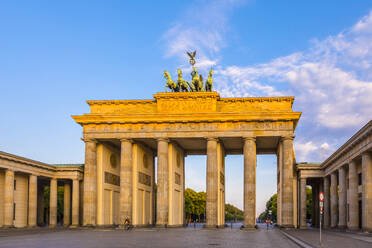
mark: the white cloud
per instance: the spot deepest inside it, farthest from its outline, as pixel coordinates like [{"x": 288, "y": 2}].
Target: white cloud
[
  {"x": 202, "y": 28},
  {"x": 332, "y": 80},
  {"x": 304, "y": 149}
]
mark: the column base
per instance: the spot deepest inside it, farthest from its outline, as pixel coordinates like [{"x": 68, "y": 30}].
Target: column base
[
  {"x": 161, "y": 225},
  {"x": 248, "y": 227},
  {"x": 52, "y": 226},
  {"x": 8, "y": 226},
  {"x": 303, "y": 227},
  {"x": 214, "y": 226},
  {"x": 353, "y": 228},
  {"x": 286, "y": 226},
  {"x": 73, "y": 226},
  {"x": 89, "y": 226},
  {"x": 342, "y": 227}
]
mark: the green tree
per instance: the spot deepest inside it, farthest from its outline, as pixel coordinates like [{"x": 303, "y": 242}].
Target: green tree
[
  {"x": 233, "y": 213},
  {"x": 271, "y": 204},
  {"x": 195, "y": 204},
  {"x": 309, "y": 202}
]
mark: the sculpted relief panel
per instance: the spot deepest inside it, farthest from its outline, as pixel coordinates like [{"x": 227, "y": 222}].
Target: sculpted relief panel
[{"x": 187, "y": 106}]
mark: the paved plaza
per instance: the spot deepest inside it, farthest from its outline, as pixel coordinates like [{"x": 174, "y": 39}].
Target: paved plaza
[
  {"x": 176, "y": 237},
  {"x": 332, "y": 239}
]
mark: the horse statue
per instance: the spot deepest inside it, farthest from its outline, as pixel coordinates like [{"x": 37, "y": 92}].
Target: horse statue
[
  {"x": 209, "y": 82},
  {"x": 200, "y": 85},
  {"x": 197, "y": 81},
  {"x": 182, "y": 85},
  {"x": 191, "y": 87},
  {"x": 170, "y": 83}
]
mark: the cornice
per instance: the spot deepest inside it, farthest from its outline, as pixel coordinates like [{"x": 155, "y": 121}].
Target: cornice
[
  {"x": 186, "y": 118},
  {"x": 358, "y": 137},
  {"x": 185, "y": 95},
  {"x": 117, "y": 102},
  {"x": 259, "y": 99},
  {"x": 23, "y": 160}
]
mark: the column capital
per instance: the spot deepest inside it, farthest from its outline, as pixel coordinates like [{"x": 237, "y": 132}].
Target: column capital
[
  {"x": 126, "y": 140},
  {"x": 211, "y": 139},
  {"x": 366, "y": 153},
  {"x": 249, "y": 138},
  {"x": 89, "y": 140},
  {"x": 162, "y": 139},
  {"x": 287, "y": 137}
]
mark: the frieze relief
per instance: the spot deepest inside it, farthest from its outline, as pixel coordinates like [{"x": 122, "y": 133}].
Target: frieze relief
[
  {"x": 199, "y": 105},
  {"x": 124, "y": 107},
  {"x": 184, "y": 127},
  {"x": 255, "y": 105}
]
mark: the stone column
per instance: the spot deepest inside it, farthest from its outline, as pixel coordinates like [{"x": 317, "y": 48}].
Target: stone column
[
  {"x": 53, "y": 203},
  {"x": 8, "y": 198},
  {"x": 303, "y": 203},
  {"x": 342, "y": 198},
  {"x": 287, "y": 191},
  {"x": 90, "y": 183},
  {"x": 67, "y": 204},
  {"x": 32, "y": 201},
  {"x": 367, "y": 192},
  {"x": 40, "y": 205},
  {"x": 334, "y": 200},
  {"x": 249, "y": 151},
  {"x": 326, "y": 213},
  {"x": 75, "y": 202},
  {"x": 126, "y": 181},
  {"x": 163, "y": 183},
  {"x": 212, "y": 183},
  {"x": 353, "y": 197}
]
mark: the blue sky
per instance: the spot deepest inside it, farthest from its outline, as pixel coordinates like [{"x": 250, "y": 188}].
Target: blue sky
[{"x": 56, "y": 55}]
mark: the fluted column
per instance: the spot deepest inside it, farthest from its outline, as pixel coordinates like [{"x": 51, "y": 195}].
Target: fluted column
[
  {"x": 249, "y": 151},
  {"x": 32, "y": 200},
  {"x": 212, "y": 183},
  {"x": 303, "y": 197},
  {"x": 67, "y": 204},
  {"x": 53, "y": 203},
  {"x": 342, "y": 198},
  {"x": 326, "y": 210},
  {"x": 287, "y": 193},
  {"x": 163, "y": 183},
  {"x": 334, "y": 200},
  {"x": 75, "y": 202},
  {"x": 353, "y": 197},
  {"x": 90, "y": 183},
  {"x": 126, "y": 180},
  {"x": 8, "y": 198},
  {"x": 367, "y": 192}
]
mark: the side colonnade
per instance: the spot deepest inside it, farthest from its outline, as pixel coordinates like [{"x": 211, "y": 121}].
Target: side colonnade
[
  {"x": 345, "y": 178},
  {"x": 22, "y": 192}
]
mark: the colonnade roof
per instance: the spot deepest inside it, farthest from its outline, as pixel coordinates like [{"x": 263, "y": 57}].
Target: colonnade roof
[
  {"x": 362, "y": 140},
  {"x": 29, "y": 166}
]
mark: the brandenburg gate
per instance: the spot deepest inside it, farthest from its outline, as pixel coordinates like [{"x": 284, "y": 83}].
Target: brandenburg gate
[{"x": 123, "y": 137}]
